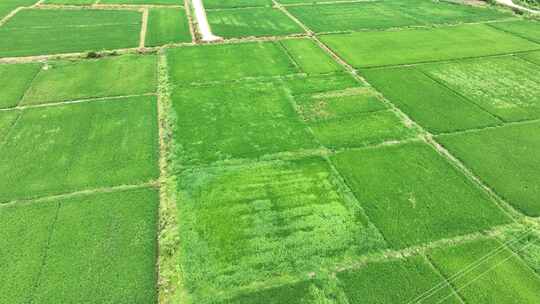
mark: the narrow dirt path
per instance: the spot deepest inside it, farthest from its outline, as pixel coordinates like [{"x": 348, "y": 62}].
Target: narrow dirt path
[{"x": 202, "y": 22}]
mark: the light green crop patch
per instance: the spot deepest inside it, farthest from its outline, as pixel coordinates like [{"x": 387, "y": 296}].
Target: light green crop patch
[
  {"x": 7, "y": 120},
  {"x": 525, "y": 242},
  {"x": 507, "y": 87},
  {"x": 228, "y": 62},
  {"x": 414, "y": 196},
  {"x": 265, "y": 223},
  {"x": 70, "y": 2},
  {"x": 102, "y": 249},
  {"x": 364, "y": 49},
  {"x": 109, "y": 77},
  {"x": 142, "y": 2},
  {"x": 486, "y": 271},
  {"x": 42, "y": 32},
  {"x": 16, "y": 79},
  {"x": 506, "y": 159},
  {"x": 236, "y": 3},
  {"x": 410, "y": 280},
  {"x": 533, "y": 57},
  {"x": 167, "y": 26},
  {"x": 523, "y": 28},
  {"x": 432, "y": 105},
  {"x": 24, "y": 231},
  {"x": 297, "y": 293},
  {"x": 310, "y": 57},
  {"x": 235, "y": 121},
  {"x": 61, "y": 149},
  {"x": 251, "y": 22}
]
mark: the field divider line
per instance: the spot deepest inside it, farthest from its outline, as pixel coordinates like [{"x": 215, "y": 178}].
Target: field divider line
[
  {"x": 451, "y": 285},
  {"x": 288, "y": 54},
  {"x": 280, "y": 7},
  {"x": 47, "y": 198},
  {"x": 504, "y": 124},
  {"x": 68, "y": 102},
  {"x": 10, "y": 129},
  {"x": 189, "y": 16},
  {"x": 144, "y": 28},
  {"x": 512, "y": 33}
]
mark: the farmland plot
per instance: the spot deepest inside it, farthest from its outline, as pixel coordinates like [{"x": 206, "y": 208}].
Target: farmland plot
[
  {"x": 506, "y": 159},
  {"x": 526, "y": 29},
  {"x": 414, "y": 196},
  {"x": 80, "y": 146},
  {"x": 260, "y": 21},
  {"x": 370, "y": 49},
  {"x": 7, "y": 120},
  {"x": 32, "y": 32},
  {"x": 211, "y": 4},
  {"x": 309, "y": 57},
  {"x": 432, "y": 105},
  {"x": 72, "y": 250},
  {"x": 494, "y": 274},
  {"x": 507, "y": 87},
  {"x": 396, "y": 281},
  {"x": 16, "y": 79},
  {"x": 142, "y": 2},
  {"x": 267, "y": 222},
  {"x": 296, "y": 293},
  {"x": 533, "y": 57},
  {"x": 109, "y": 77},
  {"x": 167, "y": 26}
]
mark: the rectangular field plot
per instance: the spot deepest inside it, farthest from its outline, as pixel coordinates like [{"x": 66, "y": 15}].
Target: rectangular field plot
[
  {"x": 102, "y": 249},
  {"x": 143, "y": 2},
  {"x": 296, "y": 293},
  {"x": 310, "y": 58},
  {"x": 432, "y": 105},
  {"x": 506, "y": 158},
  {"x": 410, "y": 280},
  {"x": 523, "y": 28},
  {"x": 413, "y": 195},
  {"x": 70, "y": 2},
  {"x": 42, "y": 32},
  {"x": 16, "y": 79},
  {"x": 485, "y": 271},
  {"x": 236, "y": 3},
  {"x": 260, "y": 21},
  {"x": 73, "y": 147},
  {"x": 368, "y": 49},
  {"x": 24, "y": 231},
  {"x": 108, "y": 77},
  {"x": 507, "y": 87},
  {"x": 388, "y": 14},
  {"x": 240, "y": 120},
  {"x": 228, "y": 62},
  {"x": 167, "y": 26},
  {"x": 264, "y": 223}
]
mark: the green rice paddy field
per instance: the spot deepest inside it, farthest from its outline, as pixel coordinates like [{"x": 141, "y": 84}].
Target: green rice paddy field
[{"x": 318, "y": 152}]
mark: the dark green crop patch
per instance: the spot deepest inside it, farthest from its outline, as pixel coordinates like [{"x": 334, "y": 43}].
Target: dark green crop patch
[
  {"x": 40, "y": 32},
  {"x": 228, "y": 62},
  {"x": 108, "y": 77},
  {"x": 251, "y": 22},
  {"x": 432, "y": 105},
  {"x": 527, "y": 29},
  {"x": 310, "y": 58},
  {"x": 369, "y": 49},
  {"x": 507, "y": 87},
  {"x": 409, "y": 280},
  {"x": 486, "y": 271},
  {"x": 413, "y": 195},
  {"x": 236, "y": 121},
  {"x": 80, "y": 146},
  {"x": 16, "y": 79},
  {"x": 506, "y": 159},
  {"x": 296, "y": 293},
  {"x": 211, "y": 4},
  {"x": 264, "y": 223}
]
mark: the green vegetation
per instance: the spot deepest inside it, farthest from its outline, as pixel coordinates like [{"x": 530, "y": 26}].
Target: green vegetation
[
  {"x": 432, "y": 105},
  {"x": 235, "y": 3},
  {"x": 297, "y": 293},
  {"x": 301, "y": 84},
  {"x": 529, "y": 30},
  {"x": 507, "y": 87},
  {"x": 80, "y": 146},
  {"x": 240, "y": 120},
  {"x": 486, "y": 271},
  {"x": 7, "y": 6},
  {"x": 114, "y": 76},
  {"x": 70, "y": 2},
  {"x": 369, "y": 49},
  {"x": 259, "y": 21},
  {"x": 163, "y": 2},
  {"x": 525, "y": 241},
  {"x": 505, "y": 159},
  {"x": 32, "y": 32},
  {"x": 415, "y": 196},
  {"x": 228, "y": 62},
  {"x": 389, "y": 14},
  {"x": 92, "y": 238},
  {"x": 265, "y": 222},
  {"x": 7, "y": 120},
  {"x": 16, "y": 79},
  {"x": 310, "y": 58},
  {"x": 532, "y": 57},
  {"x": 410, "y": 280},
  {"x": 167, "y": 26}
]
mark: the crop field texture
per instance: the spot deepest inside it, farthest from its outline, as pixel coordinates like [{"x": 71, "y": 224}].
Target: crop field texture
[{"x": 269, "y": 152}]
